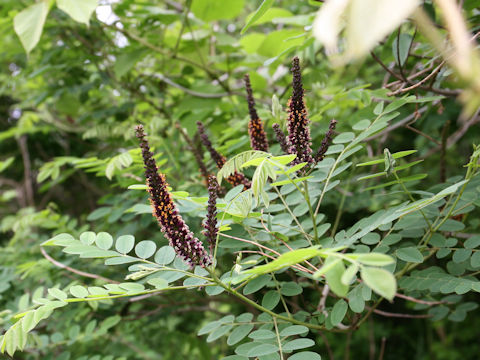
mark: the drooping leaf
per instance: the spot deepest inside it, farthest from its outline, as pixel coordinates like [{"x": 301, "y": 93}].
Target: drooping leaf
[
  {"x": 338, "y": 312},
  {"x": 28, "y": 24},
  {"x": 379, "y": 280},
  {"x": 210, "y": 10},
  {"x": 264, "y": 6},
  {"x": 334, "y": 274},
  {"x": 237, "y": 162},
  {"x": 287, "y": 259},
  {"x": 400, "y": 48},
  {"x": 80, "y": 11}
]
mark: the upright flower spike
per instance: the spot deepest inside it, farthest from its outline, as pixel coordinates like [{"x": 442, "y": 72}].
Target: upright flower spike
[
  {"x": 171, "y": 223},
  {"x": 258, "y": 138},
  {"x": 326, "y": 141},
  {"x": 298, "y": 122},
  {"x": 281, "y": 138},
  {"x": 210, "y": 223},
  {"x": 236, "y": 178}
]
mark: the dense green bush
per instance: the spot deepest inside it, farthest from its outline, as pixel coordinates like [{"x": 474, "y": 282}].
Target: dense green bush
[{"x": 349, "y": 229}]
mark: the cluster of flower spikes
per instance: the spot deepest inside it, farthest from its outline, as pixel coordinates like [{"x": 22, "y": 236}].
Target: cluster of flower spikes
[
  {"x": 171, "y": 223},
  {"x": 236, "y": 178},
  {"x": 299, "y": 141},
  {"x": 258, "y": 138},
  {"x": 298, "y": 122}
]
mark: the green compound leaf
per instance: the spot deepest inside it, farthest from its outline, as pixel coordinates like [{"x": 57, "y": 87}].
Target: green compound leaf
[{"x": 237, "y": 162}]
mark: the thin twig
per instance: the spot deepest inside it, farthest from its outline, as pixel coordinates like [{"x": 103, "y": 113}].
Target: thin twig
[
  {"x": 443, "y": 153},
  {"x": 27, "y": 168},
  {"x": 323, "y": 299},
  {"x": 75, "y": 271},
  {"x": 284, "y": 243},
  {"x": 327, "y": 345},
  {"x": 418, "y": 301},
  {"x": 457, "y": 135},
  {"x": 397, "y": 315},
  {"x": 382, "y": 348},
  {"x": 278, "y": 338},
  {"x": 398, "y": 124},
  {"x": 420, "y": 83}
]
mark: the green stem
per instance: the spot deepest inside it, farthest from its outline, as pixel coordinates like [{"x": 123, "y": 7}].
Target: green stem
[
  {"x": 310, "y": 210},
  {"x": 261, "y": 308},
  {"x": 339, "y": 215},
  {"x": 294, "y": 217},
  {"x": 411, "y": 198},
  {"x": 278, "y": 339}
]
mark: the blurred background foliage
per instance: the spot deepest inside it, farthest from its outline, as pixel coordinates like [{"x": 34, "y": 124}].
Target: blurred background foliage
[{"x": 68, "y": 154}]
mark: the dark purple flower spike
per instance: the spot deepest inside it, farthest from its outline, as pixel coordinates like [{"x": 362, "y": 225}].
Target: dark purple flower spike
[
  {"x": 258, "y": 138},
  {"x": 298, "y": 122},
  {"x": 234, "y": 179},
  {"x": 326, "y": 141},
  {"x": 171, "y": 223},
  {"x": 210, "y": 223},
  {"x": 281, "y": 138}
]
